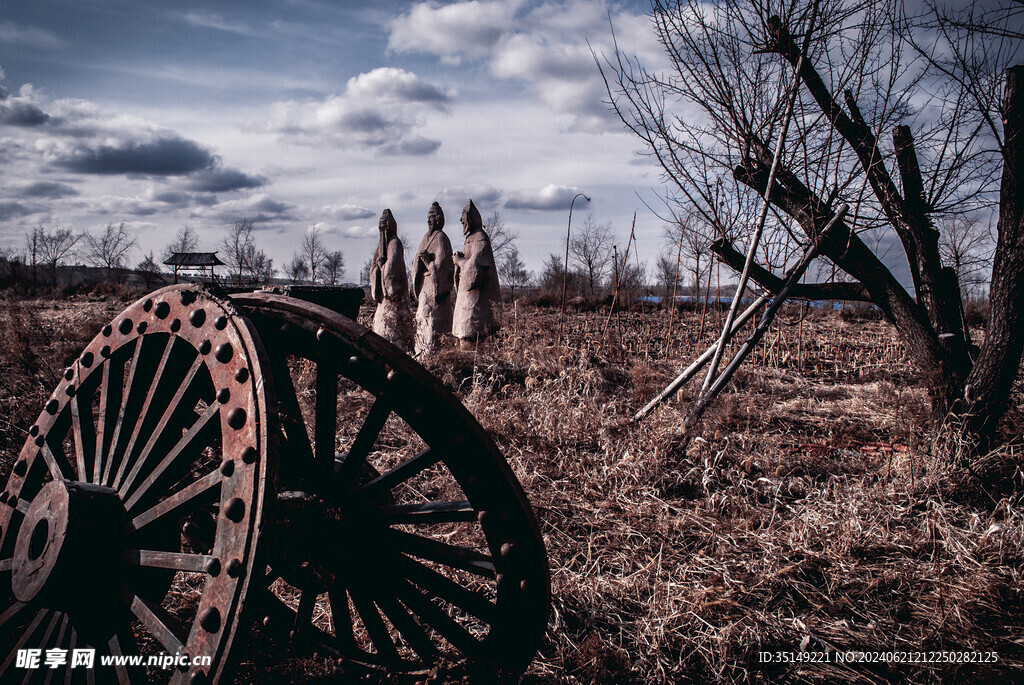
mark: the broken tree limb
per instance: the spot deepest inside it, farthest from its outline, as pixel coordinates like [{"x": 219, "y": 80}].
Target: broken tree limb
[
  {"x": 765, "y": 322},
  {"x": 854, "y": 292},
  {"x": 699, "y": 363}
]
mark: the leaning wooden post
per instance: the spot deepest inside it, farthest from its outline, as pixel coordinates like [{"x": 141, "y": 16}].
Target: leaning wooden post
[
  {"x": 764, "y": 324},
  {"x": 699, "y": 363}
]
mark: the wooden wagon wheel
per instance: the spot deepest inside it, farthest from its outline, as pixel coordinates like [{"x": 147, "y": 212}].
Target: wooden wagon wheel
[
  {"x": 145, "y": 470},
  {"x": 403, "y": 536}
]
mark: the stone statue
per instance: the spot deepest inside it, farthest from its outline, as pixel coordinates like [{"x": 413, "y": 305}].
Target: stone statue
[
  {"x": 389, "y": 286},
  {"x": 476, "y": 281},
  {"x": 433, "y": 282}
]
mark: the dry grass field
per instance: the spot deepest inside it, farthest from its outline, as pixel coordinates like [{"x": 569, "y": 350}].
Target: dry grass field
[{"x": 815, "y": 509}]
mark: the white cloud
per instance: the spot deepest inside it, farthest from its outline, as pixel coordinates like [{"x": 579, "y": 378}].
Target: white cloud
[
  {"x": 361, "y": 232},
  {"x": 29, "y": 36},
  {"x": 550, "y": 197},
  {"x": 451, "y": 31},
  {"x": 546, "y": 48},
  {"x": 380, "y": 109}
]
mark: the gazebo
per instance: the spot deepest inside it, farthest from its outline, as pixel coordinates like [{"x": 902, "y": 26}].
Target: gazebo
[{"x": 198, "y": 261}]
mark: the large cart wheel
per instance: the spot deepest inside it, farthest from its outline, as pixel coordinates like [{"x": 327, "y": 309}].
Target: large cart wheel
[
  {"x": 403, "y": 538},
  {"x": 129, "y": 523}
]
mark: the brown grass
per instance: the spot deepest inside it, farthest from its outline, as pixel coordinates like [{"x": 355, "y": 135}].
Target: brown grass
[{"x": 812, "y": 509}]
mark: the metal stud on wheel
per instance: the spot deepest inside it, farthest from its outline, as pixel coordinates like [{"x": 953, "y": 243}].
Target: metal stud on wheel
[
  {"x": 145, "y": 472},
  {"x": 402, "y": 537}
]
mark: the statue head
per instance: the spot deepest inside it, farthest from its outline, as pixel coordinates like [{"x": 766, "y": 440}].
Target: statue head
[
  {"x": 388, "y": 226},
  {"x": 435, "y": 217},
  {"x": 471, "y": 221}
]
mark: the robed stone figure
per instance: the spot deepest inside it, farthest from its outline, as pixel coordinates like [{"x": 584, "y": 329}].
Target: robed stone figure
[
  {"x": 476, "y": 281},
  {"x": 433, "y": 283},
  {"x": 389, "y": 286}
]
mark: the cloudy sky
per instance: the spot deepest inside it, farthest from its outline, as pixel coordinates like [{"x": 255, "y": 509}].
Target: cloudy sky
[{"x": 301, "y": 113}]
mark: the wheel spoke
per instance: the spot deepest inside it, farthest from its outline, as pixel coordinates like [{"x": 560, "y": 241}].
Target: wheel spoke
[
  {"x": 61, "y": 632},
  {"x": 129, "y": 408},
  {"x": 110, "y": 402},
  {"x": 304, "y": 614},
  {"x": 177, "y": 500},
  {"x": 177, "y": 561},
  {"x": 166, "y": 421},
  {"x": 57, "y": 468},
  {"x": 428, "y": 512},
  {"x": 117, "y": 650},
  {"x": 291, "y": 420},
  {"x": 143, "y": 419},
  {"x": 363, "y": 444},
  {"x": 448, "y": 590},
  {"x": 401, "y": 473},
  {"x": 326, "y": 419},
  {"x": 25, "y": 637},
  {"x": 412, "y": 631},
  {"x": 375, "y": 628},
  {"x": 341, "y": 618},
  {"x": 444, "y": 553},
  {"x": 160, "y": 624},
  {"x": 189, "y": 446},
  {"x": 84, "y": 432},
  {"x": 44, "y": 642},
  {"x": 437, "y": 619},
  {"x": 11, "y": 612},
  {"x": 5, "y": 564}
]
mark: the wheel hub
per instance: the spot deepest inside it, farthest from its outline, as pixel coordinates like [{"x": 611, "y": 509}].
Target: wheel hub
[{"x": 69, "y": 539}]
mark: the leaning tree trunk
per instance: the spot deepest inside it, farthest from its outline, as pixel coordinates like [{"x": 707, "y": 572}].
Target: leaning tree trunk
[{"x": 988, "y": 387}]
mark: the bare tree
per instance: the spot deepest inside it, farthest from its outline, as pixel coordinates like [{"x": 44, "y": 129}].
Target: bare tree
[
  {"x": 513, "y": 271},
  {"x": 52, "y": 247},
  {"x": 110, "y": 249},
  {"x": 551, "y": 275},
  {"x": 867, "y": 70},
  {"x": 298, "y": 270},
  {"x": 667, "y": 273},
  {"x": 238, "y": 247},
  {"x": 364, "y": 273},
  {"x": 185, "y": 240},
  {"x": 590, "y": 249},
  {"x": 148, "y": 270},
  {"x": 965, "y": 243},
  {"x": 314, "y": 253},
  {"x": 502, "y": 237},
  {"x": 334, "y": 267}
]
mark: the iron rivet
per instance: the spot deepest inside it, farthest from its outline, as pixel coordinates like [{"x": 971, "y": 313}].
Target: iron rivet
[
  {"x": 507, "y": 550},
  {"x": 234, "y": 568},
  {"x": 70, "y": 390},
  {"x": 105, "y": 351},
  {"x": 235, "y": 509},
  {"x": 392, "y": 375},
  {"x": 213, "y": 567},
  {"x": 242, "y": 375},
  {"x": 198, "y": 677},
  {"x": 188, "y": 297},
  {"x": 147, "y": 305},
  {"x": 224, "y": 353},
  {"x": 184, "y": 666},
  {"x": 286, "y": 328},
  {"x": 249, "y": 455},
  {"x": 162, "y": 310},
  {"x": 141, "y": 328},
  {"x": 197, "y": 318},
  {"x": 210, "y": 621},
  {"x": 204, "y": 347},
  {"x": 500, "y": 579},
  {"x": 524, "y": 585},
  {"x": 40, "y": 439},
  {"x": 484, "y": 517},
  {"x": 34, "y": 430},
  {"x": 227, "y": 467},
  {"x": 69, "y": 373},
  {"x": 20, "y": 467},
  {"x": 267, "y": 621},
  {"x": 292, "y": 634},
  {"x": 236, "y": 418},
  {"x": 52, "y": 406},
  {"x": 87, "y": 359},
  {"x": 107, "y": 330},
  {"x": 321, "y": 333},
  {"x": 125, "y": 327},
  {"x": 175, "y": 325},
  {"x": 220, "y": 323},
  {"x": 223, "y": 395},
  {"x": 353, "y": 360}
]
